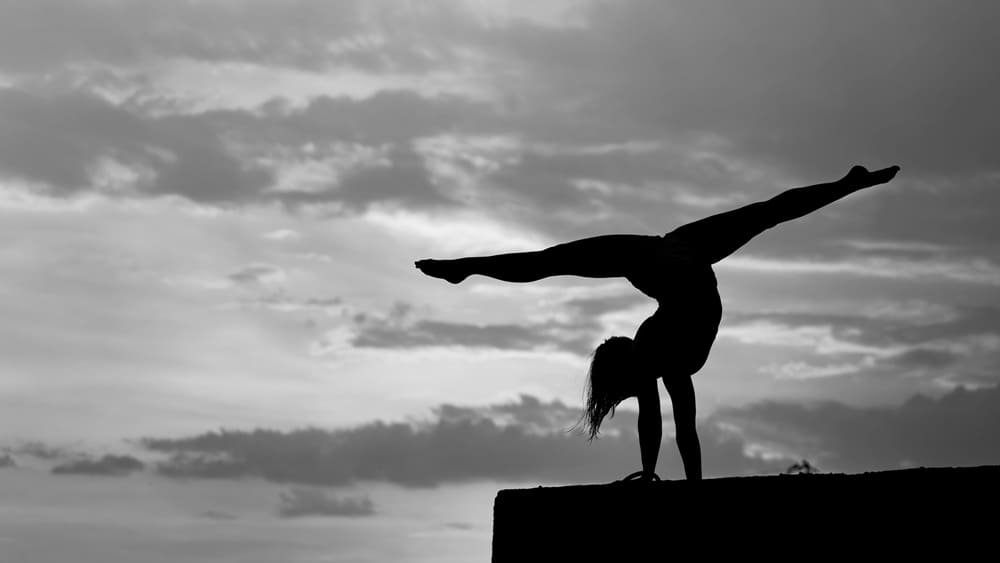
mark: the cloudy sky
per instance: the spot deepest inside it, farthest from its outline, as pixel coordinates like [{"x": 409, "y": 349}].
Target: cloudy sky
[{"x": 212, "y": 333}]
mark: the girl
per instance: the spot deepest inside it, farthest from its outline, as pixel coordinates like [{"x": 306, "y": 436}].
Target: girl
[{"x": 676, "y": 270}]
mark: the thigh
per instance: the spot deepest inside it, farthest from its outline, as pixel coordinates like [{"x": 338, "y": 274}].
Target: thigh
[
  {"x": 603, "y": 256},
  {"x": 715, "y": 237}
]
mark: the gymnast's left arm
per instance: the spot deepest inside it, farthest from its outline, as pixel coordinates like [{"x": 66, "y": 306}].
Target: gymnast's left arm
[{"x": 650, "y": 426}]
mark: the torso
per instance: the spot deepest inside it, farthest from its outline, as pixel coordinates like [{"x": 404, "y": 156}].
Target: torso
[{"x": 676, "y": 339}]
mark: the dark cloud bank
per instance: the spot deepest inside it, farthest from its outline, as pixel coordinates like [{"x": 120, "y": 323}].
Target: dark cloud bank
[
  {"x": 935, "y": 347},
  {"x": 807, "y": 87},
  {"x": 523, "y": 441},
  {"x": 960, "y": 428},
  {"x": 70, "y": 460},
  {"x": 528, "y": 441},
  {"x": 40, "y": 450},
  {"x": 107, "y": 465}
]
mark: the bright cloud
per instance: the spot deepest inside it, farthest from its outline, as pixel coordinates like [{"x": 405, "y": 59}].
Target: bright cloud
[{"x": 973, "y": 270}]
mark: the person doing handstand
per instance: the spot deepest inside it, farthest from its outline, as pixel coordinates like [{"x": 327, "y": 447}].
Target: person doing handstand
[{"x": 675, "y": 269}]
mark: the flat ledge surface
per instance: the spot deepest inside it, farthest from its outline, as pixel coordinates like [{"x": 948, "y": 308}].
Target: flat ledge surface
[{"x": 903, "y": 512}]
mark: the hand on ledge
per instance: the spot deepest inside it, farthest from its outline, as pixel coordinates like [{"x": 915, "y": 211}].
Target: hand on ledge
[{"x": 641, "y": 476}]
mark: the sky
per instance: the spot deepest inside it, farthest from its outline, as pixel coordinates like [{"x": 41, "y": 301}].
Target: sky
[{"x": 214, "y": 345}]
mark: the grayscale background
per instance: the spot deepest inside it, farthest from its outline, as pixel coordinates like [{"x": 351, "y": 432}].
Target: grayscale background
[{"x": 214, "y": 345}]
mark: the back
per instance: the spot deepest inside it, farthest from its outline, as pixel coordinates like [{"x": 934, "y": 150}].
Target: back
[{"x": 673, "y": 272}]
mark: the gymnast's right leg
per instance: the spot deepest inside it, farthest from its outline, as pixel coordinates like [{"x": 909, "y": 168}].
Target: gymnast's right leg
[
  {"x": 713, "y": 238},
  {"x": 605, "y": 256}
]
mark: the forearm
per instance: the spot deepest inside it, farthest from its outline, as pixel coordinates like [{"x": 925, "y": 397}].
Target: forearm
[
  {"x": 650, "y": 435},
  {"x": 690, "y": 449},
  {"x": 682, "y": 394}
]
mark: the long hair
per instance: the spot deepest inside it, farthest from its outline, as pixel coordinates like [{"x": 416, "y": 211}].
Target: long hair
[{"x": 604, "y": 381}]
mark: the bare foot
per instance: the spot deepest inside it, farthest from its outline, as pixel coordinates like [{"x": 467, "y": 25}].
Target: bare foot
[
  {"x": 443, "y": 269},
  {"x": 884, "y": 175},
  {"x": 861, "y": 176}
]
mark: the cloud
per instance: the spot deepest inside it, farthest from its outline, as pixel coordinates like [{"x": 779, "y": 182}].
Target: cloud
[
  {"x": 305, "y": 501},
  {"x": 574, "y": 186},
  {"x": 40, "y": 451},
  {"x": 823, "y": 339},
  {"x": 927, "y": 358},
  {"x": 522, "y": 441},
  {"x": 613, "y": 120},
  {"x": 640, "y": 115},
  {"x": 972, "y": 271},
  {"x": 803, "y": 370},
  {"x": 527, "y": 441},
  {"x": 748, "y": 82},
  {"x": 218, "y": 515},
  {"x": 576, "y": 331},
  {"x": 125, "y": 31},
  {"x": 281, "y": 301},
  {"x": 901, "y": 247},
  {"x": 7, "y": 460},
  {"x": 624, "y": 177},
  {"x": 58, "y": 138},
  {"x": 596, "y": 306},
  {"x": 390, "y": 117},
  {"x": 282, "y": 235},
  {"x": 106, "y": 465},
  {"x": 752, "y": 75},
  {"x": 955, "y": 429},
  {"x": 403, "y": 180},
  {"x": 705, "y": 76},
  {"x": 256, "y": 274},
  {"x": 915, "y": 344},
  {"x": 455, "y": 232},
  {"x": 429, "y": 333},
  {"x": 70, "y": 141},
  {"x": 884, "y": 323}
]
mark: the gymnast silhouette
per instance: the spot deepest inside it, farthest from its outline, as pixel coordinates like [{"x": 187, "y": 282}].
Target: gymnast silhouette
[{"x": 676, "y": 270}]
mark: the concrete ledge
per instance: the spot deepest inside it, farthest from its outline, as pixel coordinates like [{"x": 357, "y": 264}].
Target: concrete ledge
[{"x": 893, "y": 513}]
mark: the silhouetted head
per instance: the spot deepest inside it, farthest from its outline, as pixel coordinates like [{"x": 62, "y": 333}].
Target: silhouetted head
[{"x": 608, "y": 381}]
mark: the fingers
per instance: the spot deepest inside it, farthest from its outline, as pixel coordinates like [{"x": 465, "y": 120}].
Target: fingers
[{"x": 642, "y": 476}]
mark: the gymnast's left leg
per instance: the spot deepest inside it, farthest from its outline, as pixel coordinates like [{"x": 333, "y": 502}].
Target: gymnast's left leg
[{"x": 604, "y": 256}]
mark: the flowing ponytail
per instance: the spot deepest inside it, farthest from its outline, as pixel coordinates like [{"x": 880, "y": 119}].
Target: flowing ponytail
[{"x": 604, "y": 381}]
